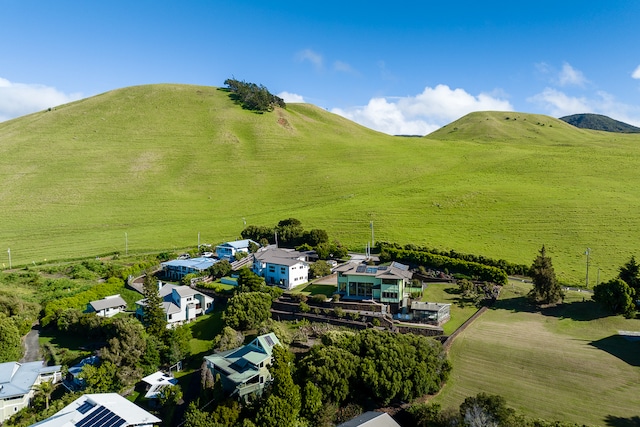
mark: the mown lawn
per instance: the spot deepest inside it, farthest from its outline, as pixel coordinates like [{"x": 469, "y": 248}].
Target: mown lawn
[
  {"x": 564, "y": 363},
  {"x": 447, "y": 293}
]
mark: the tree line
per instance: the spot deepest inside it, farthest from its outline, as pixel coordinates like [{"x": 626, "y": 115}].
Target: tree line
[{"x": 252, "y": 96}]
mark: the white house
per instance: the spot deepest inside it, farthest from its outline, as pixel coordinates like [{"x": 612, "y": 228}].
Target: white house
[
  {"x": 284, "y": 268},
  {"x": 103, "y": 409},
  {"x": 107, "y": 306},
  {"x": 17, "y": 381},
  {"x": 228, "y": 250},
  {"x": 244, "y": 370},
  {"x": 156, "y": 382},
  {"x": 181, "y": 304}
]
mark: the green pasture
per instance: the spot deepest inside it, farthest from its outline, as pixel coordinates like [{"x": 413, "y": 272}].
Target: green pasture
[
  {"x": 154, "y": 167},
  {"x": 563, "y": 363}
]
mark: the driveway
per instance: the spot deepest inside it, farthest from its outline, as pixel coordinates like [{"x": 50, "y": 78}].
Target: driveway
[{"x": 31, "y": 345}]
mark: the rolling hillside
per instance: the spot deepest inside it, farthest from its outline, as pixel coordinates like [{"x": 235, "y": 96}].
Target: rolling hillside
[
  {"x": 163, "y": 163},
  {"x": 599, "y": 122}
]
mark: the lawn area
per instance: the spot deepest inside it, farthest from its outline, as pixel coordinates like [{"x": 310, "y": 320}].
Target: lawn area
[
  {"x": 447, "y": 293},
  {"x": 204, "y": 330},
  {"x": 315, "y": 289},
  {"x": 564, "y": 363}
]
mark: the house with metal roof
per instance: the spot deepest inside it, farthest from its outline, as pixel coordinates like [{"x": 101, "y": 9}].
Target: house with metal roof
[
  {"x": 101, "y": 410},
  {"x": 244, "y": 370},
  {"x": 178, "y": 268},
  {"x": 285, "y": 268},
  {"x": 228, "y": 250},
  {"x": 157, "y": 382},
  {"x": 107, "y": 306},
  {"x": 432, "y": 313},
  {"x": 381, "y": 283},
  {"x": 17, "y": 382},
  {"x": 371, "y": 419},
  {"x": 181, "y": 304}
]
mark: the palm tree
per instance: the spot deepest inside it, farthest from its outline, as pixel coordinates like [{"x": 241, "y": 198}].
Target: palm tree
[{"x": 45, "y": 389}]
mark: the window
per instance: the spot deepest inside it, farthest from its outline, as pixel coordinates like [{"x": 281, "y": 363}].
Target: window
[
  {"x": 283, "y": 270},
  {"x": 272, "y": 269}
]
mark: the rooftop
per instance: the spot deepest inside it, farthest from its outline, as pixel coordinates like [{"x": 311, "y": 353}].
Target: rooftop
[
  {"x": 16, "y": 379},
  {"x": 98, "y": 410}
]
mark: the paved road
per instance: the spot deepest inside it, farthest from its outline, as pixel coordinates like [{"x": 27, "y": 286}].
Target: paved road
[{"x": 32, "y": 346}]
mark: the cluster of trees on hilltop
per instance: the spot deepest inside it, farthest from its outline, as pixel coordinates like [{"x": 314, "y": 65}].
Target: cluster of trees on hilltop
[
  {"x": 252, "y": 96},
  {"x": 291, "y": 234}
]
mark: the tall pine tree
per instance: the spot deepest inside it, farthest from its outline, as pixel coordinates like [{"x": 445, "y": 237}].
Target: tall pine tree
[
  {"x": 153, "y": 318},
  {"x": 546, "y": 289}
]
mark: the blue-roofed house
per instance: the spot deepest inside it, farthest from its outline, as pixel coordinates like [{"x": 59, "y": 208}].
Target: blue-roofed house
[
  {"x": 244, "y": 370},
  {"x": 228, "y": 250},
  {"x": 17, "y": 382},
  {"x": 178, "y": 268},
  {"x": 181, "y": 304},
  {"x": 101, "y": 410}
]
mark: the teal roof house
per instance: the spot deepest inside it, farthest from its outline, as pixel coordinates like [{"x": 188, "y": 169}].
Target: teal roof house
[
  {"x": 244, "y": 370},
  {"x": 385, "y": 284}
]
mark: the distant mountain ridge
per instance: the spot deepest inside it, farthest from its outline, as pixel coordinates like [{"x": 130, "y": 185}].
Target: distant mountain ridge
[{"x": 599, "y": 122}]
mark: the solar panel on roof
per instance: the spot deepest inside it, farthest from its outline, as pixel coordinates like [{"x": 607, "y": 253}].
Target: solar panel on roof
[
  {"x": 383, "y": 268},
  {"x": 372, "y": 270},
  {"x": 269, "y": 340},
  {"x": 399, "y": 266},
  {"x": 361, "y": 269},
  {"x": 101, "y": 417},
  {"x": 85, "y": 407}
]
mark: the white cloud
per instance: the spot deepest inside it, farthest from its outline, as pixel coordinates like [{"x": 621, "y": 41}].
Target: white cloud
[
  {"x": 311, "y": 56},
  {"x": 291, "y": 98},
  {"x": 18, "y": 99},
  {"x": 423, "y": 113},
  {"x": 570, "y": 76},
  {"x": 558, "y": 104},
  {"x": 636, "y": 73}
]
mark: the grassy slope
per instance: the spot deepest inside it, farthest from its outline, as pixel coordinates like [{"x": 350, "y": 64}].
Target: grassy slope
[
  {"x": 165, "y": 162},
  {"x": 566, "y": 363}
]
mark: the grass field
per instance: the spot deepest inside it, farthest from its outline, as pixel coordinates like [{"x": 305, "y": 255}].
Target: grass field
[
  {"x": 447, "y": 293},
  {"x": 566, "y": 363},
  {"x": 166, "y": 163}
]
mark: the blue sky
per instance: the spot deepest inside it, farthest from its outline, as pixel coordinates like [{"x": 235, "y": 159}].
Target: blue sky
[{"x": 403, "y": 67}]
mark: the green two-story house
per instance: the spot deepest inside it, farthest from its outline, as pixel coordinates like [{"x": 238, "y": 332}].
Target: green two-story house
[{"x": 382, "y": 283}]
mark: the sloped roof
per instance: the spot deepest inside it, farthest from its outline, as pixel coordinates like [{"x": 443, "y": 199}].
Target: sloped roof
[
  {"x": 92, "y": 410},
  {"x": 158, "y": 381},
  {"x": 238, "y": 244},
  {"x": 240, "y": 363},
  {"x": 16, "y": 379},
  {"x": 278, "y": 256},
  {"x": 393, "y": 271},
  {"x": 108, "y": 302},
  {"x": 371, "y": 419},
  {"x": 200, "y": 263}
]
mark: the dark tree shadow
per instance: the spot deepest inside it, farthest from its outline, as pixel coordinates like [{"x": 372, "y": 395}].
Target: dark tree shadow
[
  {"x": 625, "y": 349},
  {"x": 582, "y": 311},
  {"x": 614, "y": 421}
]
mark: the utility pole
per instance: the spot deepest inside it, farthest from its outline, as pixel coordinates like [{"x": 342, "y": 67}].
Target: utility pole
[
  {"x": 126, "y": 244},
  {"x": 372, "y": 239},
  {"x": 9, "y": 252},
  {"x": 587, "y": 253}
]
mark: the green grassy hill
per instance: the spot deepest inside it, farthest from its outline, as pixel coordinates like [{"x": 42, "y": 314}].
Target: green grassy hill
[{"x": 163, "y": 163}]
